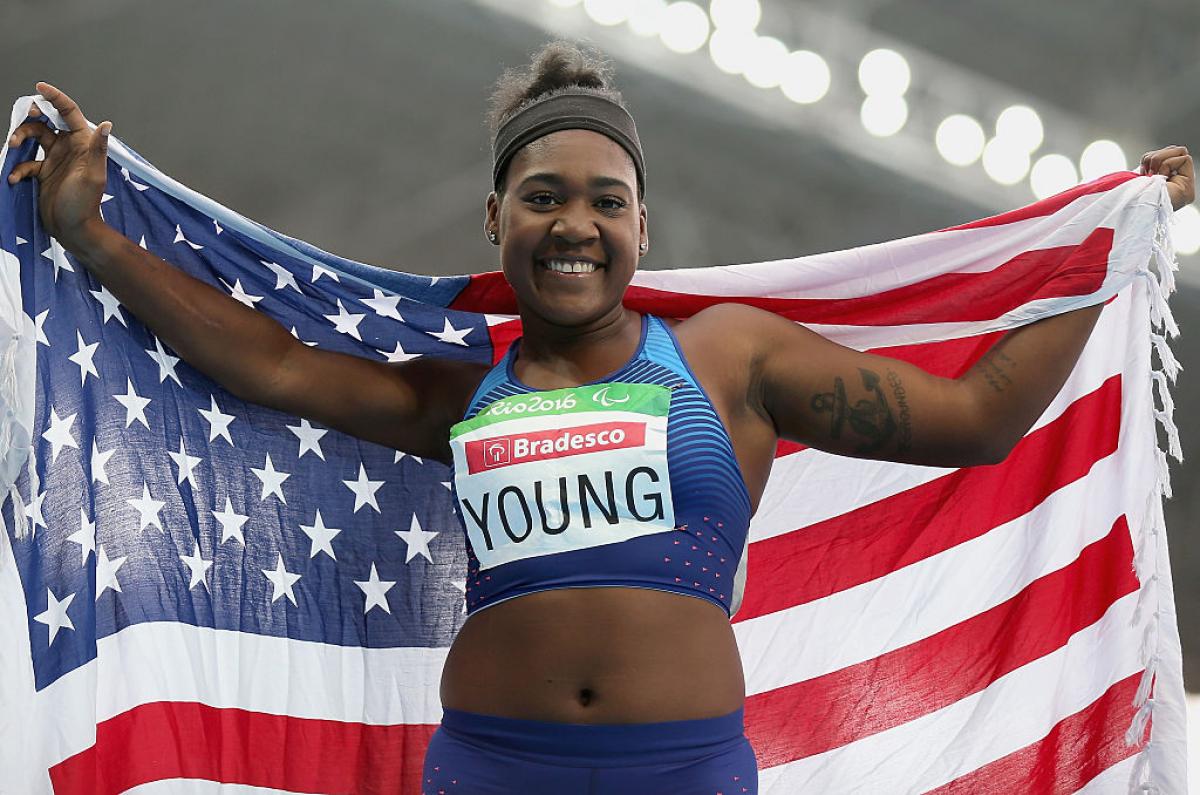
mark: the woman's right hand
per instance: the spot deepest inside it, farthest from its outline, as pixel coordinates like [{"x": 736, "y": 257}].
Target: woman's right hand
[{"x": 73, "y": 173}]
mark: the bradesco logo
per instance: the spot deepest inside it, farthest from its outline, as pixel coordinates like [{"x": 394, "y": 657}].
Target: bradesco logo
[{"x": 520, "y": 448}]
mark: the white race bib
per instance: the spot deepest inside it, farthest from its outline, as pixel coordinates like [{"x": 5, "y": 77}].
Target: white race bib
[{"x": 549, "y": 472}]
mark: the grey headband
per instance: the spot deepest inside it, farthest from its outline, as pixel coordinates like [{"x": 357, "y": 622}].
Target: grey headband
[{"x": 570, "y": 110}]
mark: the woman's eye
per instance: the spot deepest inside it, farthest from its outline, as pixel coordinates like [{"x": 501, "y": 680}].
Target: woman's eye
[
  {"x": 610, "y": 203},
  {"x": 541, "y": 198}
]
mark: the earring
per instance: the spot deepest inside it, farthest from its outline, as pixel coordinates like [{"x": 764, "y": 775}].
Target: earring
[
  {"x": 643, "y": 246},
  {"x": 491, "y": 236}
]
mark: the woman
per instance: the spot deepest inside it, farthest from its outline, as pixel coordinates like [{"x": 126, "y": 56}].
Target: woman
[{"x": 607, "y": 469}]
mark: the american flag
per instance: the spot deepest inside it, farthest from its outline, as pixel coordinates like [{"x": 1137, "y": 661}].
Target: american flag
[{"x": 200, "y": 595}]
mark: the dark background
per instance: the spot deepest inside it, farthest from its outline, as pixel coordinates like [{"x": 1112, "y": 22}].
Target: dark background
[{"x": 358, "y": 126}]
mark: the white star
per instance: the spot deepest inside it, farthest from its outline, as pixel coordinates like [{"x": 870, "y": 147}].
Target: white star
[
  {"x": 310, "y": 438},
  {"x": 416, "y": 458},
  {"x": 179, "y": 238},
  {"x": 142, "y": 242},
  {"x": 364, "y": 490},
  {"x": 461, "y": 585},
  {"x": 452, "y": 335},
  {"x": 140, "y": 187},
  {"x": 166, "y": 362},
  {"x": 147, "y": 508},
  {"x": 318, "y": 272},
  {"x": 306, "y": 342},
  {"x": 21, "y": 241},
  {"x": 33, "y": 511},
  {"x": 83, "y": 358},
  {"x": 186, "y": 464},
  {"x": 282, "y": 580},
  {"x": 55, "y": 615},
  {"x": 217, "y": 226},
  {"x": 272, "y": 480},
  {"x": 375, "y": 590},
  {"x": 59, "y": 435},
  {"x": 110, "y": 304},
  {"x": 384, "y": 305},
  {"x": 59, "y": 257},
  {"x": 99, "y": 461},
  {"x": 346, "y": 322},
  {"x": 218, "y": 423},
  {"x": 106, "y": 572},
  {"x": 38, "y": 322},
  {"x": 283, "y": 276},
  {"x": 85, "y": 536},
  {"x": 231, "y": 523},
  {"x": 238, "y": 294},
  {"x": 135, "y": 406},
  {"x": 198, "y": 566},
  {"x": 321, "y": 537},
  {"x": 398, "y": 355},
  {"x": 417, "y": 540}
]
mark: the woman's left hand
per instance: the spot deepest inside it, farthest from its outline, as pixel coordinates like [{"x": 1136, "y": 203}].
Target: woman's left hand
[{"x": 1174, "y": 163}]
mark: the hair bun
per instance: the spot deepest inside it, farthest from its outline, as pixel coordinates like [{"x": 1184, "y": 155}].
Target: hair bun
[{"x": 558, "y": 65}]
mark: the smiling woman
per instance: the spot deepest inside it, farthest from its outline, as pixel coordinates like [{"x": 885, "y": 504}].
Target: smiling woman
[{"x": 606, "y": 469}]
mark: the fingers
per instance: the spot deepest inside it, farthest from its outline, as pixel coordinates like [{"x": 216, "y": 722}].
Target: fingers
[
  {"x": 1152, "y": 162},
  {"x": 30, "y": 168},
  {"x": 66, "y": 107},
  {"x": 33, "y": 129}
]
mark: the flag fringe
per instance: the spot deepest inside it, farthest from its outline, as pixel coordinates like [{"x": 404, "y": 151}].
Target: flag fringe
[{"x": 1146, "y": 556}]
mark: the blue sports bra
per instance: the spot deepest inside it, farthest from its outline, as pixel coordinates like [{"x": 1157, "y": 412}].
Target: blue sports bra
[{"x": 626, "y": 481}]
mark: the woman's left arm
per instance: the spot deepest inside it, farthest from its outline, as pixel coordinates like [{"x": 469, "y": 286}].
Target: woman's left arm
[{"x": 852, "y": 403}]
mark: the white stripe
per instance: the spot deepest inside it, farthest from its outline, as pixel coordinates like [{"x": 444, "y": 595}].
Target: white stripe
[
  {"x": 924, "y": 598},
  {"x": 165, "y": 661},
  {"x": 848, "y": 483},
  {"x": 939, "y": 747},
  {"x": 855, "y": 272},
  {"x": 1113, "y": 781}
]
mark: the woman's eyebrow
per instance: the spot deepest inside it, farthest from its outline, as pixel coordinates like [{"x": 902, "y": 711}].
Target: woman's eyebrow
[{"x": 595, "y": 182}]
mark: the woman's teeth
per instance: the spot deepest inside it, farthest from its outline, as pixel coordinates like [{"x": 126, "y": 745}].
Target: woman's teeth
[{"x": 564, "y": 266}]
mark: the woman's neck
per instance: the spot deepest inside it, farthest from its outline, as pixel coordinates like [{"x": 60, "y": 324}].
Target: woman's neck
[{"x": 552, "y": 356}]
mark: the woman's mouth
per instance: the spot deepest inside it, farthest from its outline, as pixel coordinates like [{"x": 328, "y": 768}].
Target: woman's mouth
[{"x": 570, "y": 266}]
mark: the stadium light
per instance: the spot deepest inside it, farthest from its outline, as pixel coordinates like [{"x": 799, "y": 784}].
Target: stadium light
[
  {"x": 1005, "y": 162},
  {"x": 608, "y": 12},
  {"x": 1052, "y": 174},
  {"x": 735, "y": 14},
  {"x": 805, "y": 77},
  {"x": 564, "y": 3},
  {"x": 1186, "y": 234},
  {"x": 684, "y": 27},
  {"x": 883, "y": 114},
  {"x": 646, "y": 17},
  {"x": 764, "y": 67},
  {"x": 1100, "y": 158},
  {"x": 1021, "y": 127},
  {"x": 885, "y": 72},
  {"x": 959, "y": 139},
  {"x": 731, "y": 49}
]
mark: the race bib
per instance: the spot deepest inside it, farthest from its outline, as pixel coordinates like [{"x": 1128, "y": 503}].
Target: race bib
[{"x": 549, "y": 472}]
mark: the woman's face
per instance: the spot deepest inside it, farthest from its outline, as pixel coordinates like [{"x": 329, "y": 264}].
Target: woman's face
[{"x": 570, "y": 199}]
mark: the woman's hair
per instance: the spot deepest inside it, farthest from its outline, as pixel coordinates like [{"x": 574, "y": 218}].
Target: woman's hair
[{"x": 557, "y": 66}]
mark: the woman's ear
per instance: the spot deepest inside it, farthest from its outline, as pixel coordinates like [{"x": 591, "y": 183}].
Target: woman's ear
[
  {"x": 643, "y": 231},
  {"x": 491, "y": 220}
]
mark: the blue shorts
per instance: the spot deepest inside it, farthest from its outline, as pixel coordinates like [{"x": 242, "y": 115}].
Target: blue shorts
[{"x": 472, "y": 754}]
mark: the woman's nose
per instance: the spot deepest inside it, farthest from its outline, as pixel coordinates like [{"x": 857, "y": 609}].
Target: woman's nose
[{"x": 574, "y": 225}]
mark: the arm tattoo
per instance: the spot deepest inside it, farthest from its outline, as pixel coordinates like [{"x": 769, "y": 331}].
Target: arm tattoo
[
  {"x": 905, "y": 442},
  {"x": 870, "y": 418},
  {"x": 993, "y": 366}
]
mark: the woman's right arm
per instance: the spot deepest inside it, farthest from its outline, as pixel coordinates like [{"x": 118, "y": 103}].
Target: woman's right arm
[{"x": 409, "y": 406}]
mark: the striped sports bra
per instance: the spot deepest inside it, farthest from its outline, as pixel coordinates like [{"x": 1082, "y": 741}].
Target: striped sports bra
[{"x": 627, "y": 481}]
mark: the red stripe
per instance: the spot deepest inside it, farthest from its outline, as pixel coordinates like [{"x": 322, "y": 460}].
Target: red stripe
[
  {"x": 946, "y": 298},
  {"x": 820, "y": 714},
  {"x": 1076, "y": 750},
  {"x": 875, "y": 539},
  {"x": 1051, "y": 204},
  {"x": 168, "y": 740}
]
